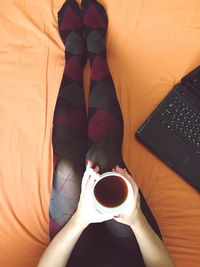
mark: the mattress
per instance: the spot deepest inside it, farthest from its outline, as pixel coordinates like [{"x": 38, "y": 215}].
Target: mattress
[{"x": 151, "y": 45}]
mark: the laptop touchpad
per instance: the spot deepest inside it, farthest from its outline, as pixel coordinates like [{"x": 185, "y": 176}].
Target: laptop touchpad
[{"x": 173, "y": 150}]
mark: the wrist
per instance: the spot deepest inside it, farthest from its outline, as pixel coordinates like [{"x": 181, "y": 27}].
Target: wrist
[
  {"x": 78, "y": 222},
  {"x": 138, "y": 221}
]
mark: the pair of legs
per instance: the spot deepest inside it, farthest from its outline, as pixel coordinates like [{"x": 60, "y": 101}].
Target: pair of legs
[{"x": 97, "y": 136}]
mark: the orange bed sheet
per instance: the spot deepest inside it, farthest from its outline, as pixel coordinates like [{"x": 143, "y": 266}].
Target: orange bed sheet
[{"x": 151, "y": 45}]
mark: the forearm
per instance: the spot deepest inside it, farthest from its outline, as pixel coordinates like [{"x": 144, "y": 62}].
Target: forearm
[
  {"x": 151, "y": 246},
  {"x": 60, "y": 248}
]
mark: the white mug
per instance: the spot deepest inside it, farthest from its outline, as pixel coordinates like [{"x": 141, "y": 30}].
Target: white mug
[{"x": 114, "y": 210}]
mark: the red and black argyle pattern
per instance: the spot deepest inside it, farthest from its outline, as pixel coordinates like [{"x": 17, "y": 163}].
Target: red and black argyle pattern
[
  {"x": 105, "y": 122},
  {"x": 69, "y": 136}
]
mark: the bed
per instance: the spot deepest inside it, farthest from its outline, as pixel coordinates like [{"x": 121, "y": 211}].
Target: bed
[{"x": 151, "y": 45}]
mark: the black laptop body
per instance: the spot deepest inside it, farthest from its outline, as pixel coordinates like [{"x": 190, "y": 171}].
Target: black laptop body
[{"x": 172, "y": 131}]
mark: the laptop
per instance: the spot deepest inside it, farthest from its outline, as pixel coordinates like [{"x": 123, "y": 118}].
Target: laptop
[{"x": 172, "y": 131}]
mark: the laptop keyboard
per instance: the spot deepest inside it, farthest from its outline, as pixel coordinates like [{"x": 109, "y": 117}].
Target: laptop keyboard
[{"x": 182, "y": 121}]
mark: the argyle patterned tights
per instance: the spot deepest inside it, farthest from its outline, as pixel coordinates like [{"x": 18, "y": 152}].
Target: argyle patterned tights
[{"x": 97, "y": 136}]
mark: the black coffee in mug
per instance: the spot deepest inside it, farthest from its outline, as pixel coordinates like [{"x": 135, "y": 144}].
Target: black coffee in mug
[{"x": 111, "y": 191}]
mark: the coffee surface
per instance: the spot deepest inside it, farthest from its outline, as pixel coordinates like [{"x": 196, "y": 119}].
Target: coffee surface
[{"x": 111, "y": 191}]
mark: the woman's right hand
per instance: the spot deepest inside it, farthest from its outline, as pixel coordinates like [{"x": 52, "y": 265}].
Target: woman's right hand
[
  {"x": 86, "y": 213},
  {"x": 132, "y": 212}
]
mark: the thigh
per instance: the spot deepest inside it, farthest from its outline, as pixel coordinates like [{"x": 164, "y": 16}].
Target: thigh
[
  {"x": 107, "y": 253},
  {"x": 87, "y": 245}
]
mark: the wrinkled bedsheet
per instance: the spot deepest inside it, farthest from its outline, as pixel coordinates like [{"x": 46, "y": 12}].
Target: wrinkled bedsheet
[{"x": 151, "y": 45}]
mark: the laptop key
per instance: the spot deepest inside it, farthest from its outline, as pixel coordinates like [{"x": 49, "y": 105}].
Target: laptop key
[{"x": 182, "y": 121}]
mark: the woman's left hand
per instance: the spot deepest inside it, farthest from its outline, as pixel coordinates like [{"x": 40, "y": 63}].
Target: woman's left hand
[{"x": 86, "y": 213}]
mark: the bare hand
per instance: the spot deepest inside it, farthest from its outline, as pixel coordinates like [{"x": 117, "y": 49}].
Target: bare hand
[
  {"x": 86, "y": 212},
  {"x": 130, "y": 214}
]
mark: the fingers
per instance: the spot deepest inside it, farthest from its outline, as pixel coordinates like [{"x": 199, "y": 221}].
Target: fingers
[
  {"x": 119, "y": 170},
  {"x": 96, "y": 169},
  {"x": 86, "y": 175},
  {"x": 89, "y": 164},
  {"x": 91, "y": 180},
  {"x": 88, "y": 172},
  {"x": 86, "y": 178},
  {"x": 128, "y": 177}
]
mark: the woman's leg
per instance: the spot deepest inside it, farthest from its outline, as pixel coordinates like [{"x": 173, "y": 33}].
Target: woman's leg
[
  {"x": 105, "y": 121},
  {"x": 70, "y": 122},
  {"x": 70, "y": 134}
]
